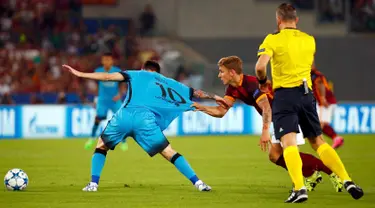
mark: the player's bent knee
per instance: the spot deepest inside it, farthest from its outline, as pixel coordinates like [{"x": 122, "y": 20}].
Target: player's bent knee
[
  {"x": 289, "y": 139},
  {"x": 315, "y": 142},
  {"x": 323, "y": 123},
  {"x": 101, "y": 145},
  {"x": 273, "y": 157},
  {"x": 101, "y": 151},
  {"x": 168, "y": 152},
  {"x": 275, "y": 152}
]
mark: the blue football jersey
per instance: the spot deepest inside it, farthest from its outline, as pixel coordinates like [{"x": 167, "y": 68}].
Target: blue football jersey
[
  {"x": 107, "y": 90},
  {"x": 165, "y": 97}
]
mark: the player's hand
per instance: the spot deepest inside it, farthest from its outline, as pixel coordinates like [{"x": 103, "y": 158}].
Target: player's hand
[
  {"x": 221, "y": 101},
  {"x": 116, "y": 98},
  {"x": 324, "y": 101},
  {"x": 197, "y": 106},
  {"x": 72, "y": 70},
  {"x": 265, "y": 141},
  {"x": 265, "y": 87}
]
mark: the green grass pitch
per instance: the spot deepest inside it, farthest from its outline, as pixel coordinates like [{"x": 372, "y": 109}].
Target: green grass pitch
[{"x": 239, "y": 173}]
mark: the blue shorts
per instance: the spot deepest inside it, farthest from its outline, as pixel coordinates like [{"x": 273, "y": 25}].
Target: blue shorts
[
  {"x": 138, "y": 123},
  {"x": 102, "y": 108}
]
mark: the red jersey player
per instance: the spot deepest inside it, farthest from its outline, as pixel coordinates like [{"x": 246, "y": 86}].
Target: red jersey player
[
  {"x": 245, "y": 88},
  {"x": 326, "y": 105}
]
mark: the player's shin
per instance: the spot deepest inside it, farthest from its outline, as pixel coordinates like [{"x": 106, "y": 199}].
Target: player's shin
[
  {"x": 294, "y": 165},
  {"x": 332, "y": 160},
  {"x": 312, "y": 164},
  {"x": 293, "y": 160},
  {"x": 308, "y": 169},
  {"x": 184, "y": 167},
  {"x": 97, "y": 164}
]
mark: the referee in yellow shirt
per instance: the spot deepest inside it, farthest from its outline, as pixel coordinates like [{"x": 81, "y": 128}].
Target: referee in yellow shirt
[{"x": 292, "y": 53}]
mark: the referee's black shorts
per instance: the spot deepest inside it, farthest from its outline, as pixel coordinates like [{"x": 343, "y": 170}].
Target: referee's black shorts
[{"x": 290, "y": 107}]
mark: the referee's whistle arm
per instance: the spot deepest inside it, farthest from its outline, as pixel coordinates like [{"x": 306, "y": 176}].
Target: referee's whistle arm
[{"x": 261, "y": 66}]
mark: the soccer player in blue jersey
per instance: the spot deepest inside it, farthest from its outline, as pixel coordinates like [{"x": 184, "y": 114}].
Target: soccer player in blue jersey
[
  {"x": 109, "y": 98},
  {"x": 152, "y": 103}
]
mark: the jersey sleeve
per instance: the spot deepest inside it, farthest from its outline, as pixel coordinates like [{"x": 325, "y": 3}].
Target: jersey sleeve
[
  {"x": 229, "y": 94},
  {"x": 266, "y": 47},
  {"x": 314, "y": 44},
  {"x": 257, "y": 95},
  {"x": 188, "y": 92},
  {"x": 126, "y": 75}
]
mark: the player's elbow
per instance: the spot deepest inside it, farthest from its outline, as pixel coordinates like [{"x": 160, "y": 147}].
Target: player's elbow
[
  {"x": 107, "y": 78},
  {"x": 259, "y": 67},
  {"x": 110, "y": 77},
  {"x": 221, "y": 112},
  {"x": 266, "y": 108},
  {"x": 219, "y": 115}
]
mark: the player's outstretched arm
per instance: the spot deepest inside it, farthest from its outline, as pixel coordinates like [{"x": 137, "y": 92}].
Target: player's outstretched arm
[
  {"x": 215, "y": 111},
  {"x": 206, "y": 95},
  {"x": 97, "y": 75},
  {"x": 264, "y": 104}
]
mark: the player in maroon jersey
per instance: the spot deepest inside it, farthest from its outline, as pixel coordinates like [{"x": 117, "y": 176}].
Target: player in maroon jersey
[
  {"x": 327, "y": 103},
  {"x": 245, "y": 88}
]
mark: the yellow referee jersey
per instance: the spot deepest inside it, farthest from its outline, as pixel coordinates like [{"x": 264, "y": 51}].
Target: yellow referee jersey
[{"x": 292, "y": 54}]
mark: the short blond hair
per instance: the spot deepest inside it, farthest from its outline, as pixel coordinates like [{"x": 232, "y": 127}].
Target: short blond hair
[{"x": 231, "y": 62}]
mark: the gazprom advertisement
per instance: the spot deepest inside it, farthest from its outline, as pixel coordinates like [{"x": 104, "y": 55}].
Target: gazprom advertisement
[{"x": 65, "y": 121}]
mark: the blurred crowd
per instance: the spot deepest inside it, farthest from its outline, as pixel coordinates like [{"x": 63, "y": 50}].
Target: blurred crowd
[
  {"x": 359, "y": 13},
  {"x": 363, "y": 16},
  {"x": 38, "y": 36}
]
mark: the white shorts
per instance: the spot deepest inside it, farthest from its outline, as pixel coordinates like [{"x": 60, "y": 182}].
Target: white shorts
[
  {"x": 300, "y": 138},
  {"x": 326, "y": 113}
]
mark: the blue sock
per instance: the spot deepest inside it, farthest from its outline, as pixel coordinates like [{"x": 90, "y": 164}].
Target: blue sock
[
  {"x": 97, "y": 164},
  {"x": 183, "y": 166}
]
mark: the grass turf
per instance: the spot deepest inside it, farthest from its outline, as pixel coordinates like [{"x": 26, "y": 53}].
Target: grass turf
[{"x": 239, "y": 173}]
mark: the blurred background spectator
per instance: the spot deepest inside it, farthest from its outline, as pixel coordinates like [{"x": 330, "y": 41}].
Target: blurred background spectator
[
  {"x": 363, "y": 15},
  {"x": 147, "y": 20}
]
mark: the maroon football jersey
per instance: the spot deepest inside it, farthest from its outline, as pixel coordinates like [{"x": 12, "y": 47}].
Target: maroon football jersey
[{"x": 248, "y": 92}]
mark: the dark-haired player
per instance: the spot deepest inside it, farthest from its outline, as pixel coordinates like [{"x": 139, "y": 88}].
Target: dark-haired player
[
  {"x": 327, "y": 103},
  {"x": 245, "y": 87},
  {"x": 144, "y": 116}
]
